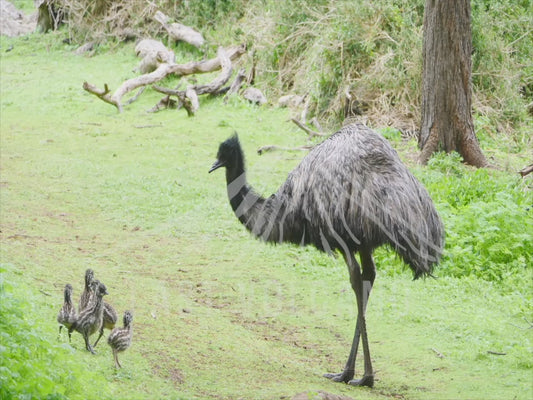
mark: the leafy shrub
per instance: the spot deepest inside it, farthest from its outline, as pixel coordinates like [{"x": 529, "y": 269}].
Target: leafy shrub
[
  {"x": 31, "y": 366},
  {"x": 488, "y": 218}
]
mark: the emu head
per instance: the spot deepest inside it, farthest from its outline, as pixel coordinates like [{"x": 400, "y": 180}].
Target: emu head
[
  {"x": 229, "y": 154},
  {"x": 89, "y": 276},
  {"x": 67, "y": 292},
  {"x": 98, "y": 288},
  {"x": 128, "y": 317}
]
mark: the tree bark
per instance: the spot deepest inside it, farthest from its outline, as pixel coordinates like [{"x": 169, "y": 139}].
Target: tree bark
[{"x": 447, "y": 122}]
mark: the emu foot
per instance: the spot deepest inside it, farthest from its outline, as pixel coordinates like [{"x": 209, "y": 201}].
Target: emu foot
[
  {"x": 367, "y": 380},
  {"x": 345, "y": 376}
]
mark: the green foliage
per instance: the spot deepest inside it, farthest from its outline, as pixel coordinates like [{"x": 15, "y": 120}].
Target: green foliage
[
  {"x": 31, "y": 365},
  {"x": 488, "y": 217},
  {"x": 502, "y": 60},
  {"x": 209, "y": 13}
]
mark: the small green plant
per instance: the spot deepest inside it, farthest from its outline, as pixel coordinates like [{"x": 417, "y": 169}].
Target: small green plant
[
  {"x": 31, "y": 365},
  {"x": 488, "y": 218}
]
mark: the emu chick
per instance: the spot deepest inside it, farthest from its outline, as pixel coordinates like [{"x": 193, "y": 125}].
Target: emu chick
[
  {"x": 91, "y": 318},
  {"x": 67, "y": 315},
  {"x": 120, "y": 338},
  {"x": 109, "y": 320},
  {"x": 87, "y": 293}
]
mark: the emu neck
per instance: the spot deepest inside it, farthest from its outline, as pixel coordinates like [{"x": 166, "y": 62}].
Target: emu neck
[
  {"x": 242, "y": 197},
  {"x": 252, "y": 210},
  {"x": 99, "y": 304}
]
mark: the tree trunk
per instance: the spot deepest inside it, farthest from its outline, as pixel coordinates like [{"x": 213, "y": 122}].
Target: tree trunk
[{"x": 446, "y": 83}]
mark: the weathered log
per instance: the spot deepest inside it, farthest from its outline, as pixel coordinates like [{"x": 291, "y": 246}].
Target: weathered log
[
  {"x": 164, "y": 103},
  {"x": 153, "y": 53},
  {"x": 236, "y": 85},
  {"x": 310, "y": 132},
  {"x": 189, "y": 97},
  {"x": 161, "y": 72},
  {"x": 179, "y": 32},
  {"x": 526, "y": 170},
  {"x": 102, "y": 94},
  {"x": 273, "y": 147},
  {"x": 194, "y": 67}
]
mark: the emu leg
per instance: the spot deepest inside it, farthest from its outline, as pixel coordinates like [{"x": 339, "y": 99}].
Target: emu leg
[
  {"x": 115, "y": 356},
  {"x": 368, "y": 276},
  {"x": 101, "y": 334},
  {"x": 59, "y": 334},
  {"x": 362, "y": 285},
  {"x": 87, "y": 343}
]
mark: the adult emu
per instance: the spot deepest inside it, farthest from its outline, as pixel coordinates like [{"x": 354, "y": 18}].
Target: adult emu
[{"x": 350, "y": 194}]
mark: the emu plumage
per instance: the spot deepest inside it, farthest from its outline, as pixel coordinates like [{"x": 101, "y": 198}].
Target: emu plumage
[{"x": 351, "y": 193}]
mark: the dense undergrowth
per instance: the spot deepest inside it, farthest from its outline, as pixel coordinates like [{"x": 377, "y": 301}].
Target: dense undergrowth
[
  {"x": 370, "y": 51},
  {"x": 488, "y": 216}
]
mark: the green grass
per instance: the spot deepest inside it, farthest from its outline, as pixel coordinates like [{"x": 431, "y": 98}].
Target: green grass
[{"x": 218, "y": 314}]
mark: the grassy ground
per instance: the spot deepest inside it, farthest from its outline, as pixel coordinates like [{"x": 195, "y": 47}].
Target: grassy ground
[{"x": 217, "y": 314}]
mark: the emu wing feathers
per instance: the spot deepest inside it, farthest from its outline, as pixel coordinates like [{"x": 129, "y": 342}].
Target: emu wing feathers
[{"x": 352, "y": 191}]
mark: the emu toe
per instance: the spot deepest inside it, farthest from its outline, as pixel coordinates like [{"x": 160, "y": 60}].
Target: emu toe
[
  {"x": 345, "y": 376},
  {"x": 364, "y": 381}
]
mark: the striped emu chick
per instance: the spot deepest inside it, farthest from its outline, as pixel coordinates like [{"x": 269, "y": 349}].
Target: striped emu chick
[
  {"x": 109, "y": 320},
  {"x": 87, "y": 293},
  {"x": 67, "y": 315},
  {"x": 120, "y": 338},
  {"x": 91, "y": 318}
]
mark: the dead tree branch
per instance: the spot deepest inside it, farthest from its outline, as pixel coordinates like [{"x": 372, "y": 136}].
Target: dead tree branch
[
  {"x": 236, "y": 85},
  {"x": 102, "y": 94},
  {"x": 189, "y": 97},
  {"x": 159, "y": 73},
  {"x": 179, "y": 32},
  {"x": 273, "y": 147},
  {"x": 310, "y": 132},
  {"x": 526, "y": 170}
]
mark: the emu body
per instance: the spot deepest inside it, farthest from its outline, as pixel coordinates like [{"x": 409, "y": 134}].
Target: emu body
[
  {"x": 109, "y": 320},
  {"x": 91, "y": 318},
  {"x": 120, "y": 338},
  {"x": 67, "y": 315},
  {"x": 350, "y": 194},
  {"x": 87, "y": 293}
]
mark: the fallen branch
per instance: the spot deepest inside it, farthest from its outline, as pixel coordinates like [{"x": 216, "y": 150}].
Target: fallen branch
[
  {"x": 134, "y": 98},
  {"x": 496, "y": 353},
  {"x": 164, "y": 103},
  {"x": 194, "y": 67},
  {"x": 161, "y": 72},
  {"x": 273, "y": 147},
  {"x": 526, "y": 170},
  {"x": 310, "y": 132},
  {"x": 438, "y": 353},
  {"x": 101, "y": 94},
  {"x": 236, "y": 85},
  {"x": 180, "y": 32},
  {"x": 153, "y": 53},
  {"x": 189, "y": 97}
]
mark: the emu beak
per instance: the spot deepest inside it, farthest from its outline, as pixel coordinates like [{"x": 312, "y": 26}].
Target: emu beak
[{"x": 216, "y": 165}]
